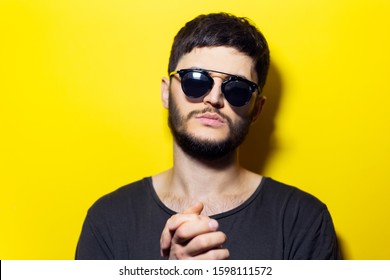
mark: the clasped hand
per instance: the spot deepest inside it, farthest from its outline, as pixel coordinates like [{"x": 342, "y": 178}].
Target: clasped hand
[{"x": 190, "y": 235}]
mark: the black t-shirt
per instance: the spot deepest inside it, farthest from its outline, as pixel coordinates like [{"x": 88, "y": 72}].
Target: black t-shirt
[{"x": 276, "y": 222}]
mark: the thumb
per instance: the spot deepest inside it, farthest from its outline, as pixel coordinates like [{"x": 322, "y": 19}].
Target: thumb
[{"x": 194, "y": 209}]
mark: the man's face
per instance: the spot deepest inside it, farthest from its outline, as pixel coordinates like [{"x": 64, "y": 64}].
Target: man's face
[{"x": 210, "y": 128}]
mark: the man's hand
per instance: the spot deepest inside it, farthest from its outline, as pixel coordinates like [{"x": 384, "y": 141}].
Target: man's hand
[{"x": 190, "y": 235}]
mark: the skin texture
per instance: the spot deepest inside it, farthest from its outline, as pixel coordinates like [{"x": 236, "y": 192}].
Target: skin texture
[
  {"x": 191, "y": 235},
  {"x": 197, "y": 188}
]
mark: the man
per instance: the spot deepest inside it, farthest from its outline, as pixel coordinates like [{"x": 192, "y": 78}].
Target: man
[{"x": 207, "y": 206}]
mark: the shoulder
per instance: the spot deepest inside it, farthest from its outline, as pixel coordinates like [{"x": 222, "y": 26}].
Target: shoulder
[
  {"x": 124, "y": 197},
  {"x": 297, "y": 209},
  {"x": 308, "y": 231},
  {"x": 289, "y": 197}
]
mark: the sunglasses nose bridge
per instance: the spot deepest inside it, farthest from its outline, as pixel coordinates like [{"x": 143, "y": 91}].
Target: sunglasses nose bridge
[{"x": 215, "y": 95}]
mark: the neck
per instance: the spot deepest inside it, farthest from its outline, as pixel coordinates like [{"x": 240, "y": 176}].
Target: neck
[
  {"x": 201, "y": 178},
  {"x": 220, "y": 185}
]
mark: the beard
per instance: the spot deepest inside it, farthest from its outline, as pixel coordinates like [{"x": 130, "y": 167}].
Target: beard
[{"x": 205, "y": 149}]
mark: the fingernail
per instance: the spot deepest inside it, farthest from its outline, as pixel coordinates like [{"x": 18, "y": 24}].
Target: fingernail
[{"x": 213, "y": 224}]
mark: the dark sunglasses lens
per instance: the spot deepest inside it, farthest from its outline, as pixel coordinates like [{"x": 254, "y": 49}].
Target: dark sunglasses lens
[
  {"x": 195, "y": 84},
  {"x": 237, "y": 93}
]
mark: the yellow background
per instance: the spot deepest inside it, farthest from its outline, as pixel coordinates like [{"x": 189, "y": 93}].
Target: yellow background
[{"x": 80, "y": 111}]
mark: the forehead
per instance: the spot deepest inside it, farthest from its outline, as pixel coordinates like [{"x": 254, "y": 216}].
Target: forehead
[{"x": 224, "y": 59}]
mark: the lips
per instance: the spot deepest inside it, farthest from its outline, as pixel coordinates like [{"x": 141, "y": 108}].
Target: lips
[{"x": 211, "y": 119}]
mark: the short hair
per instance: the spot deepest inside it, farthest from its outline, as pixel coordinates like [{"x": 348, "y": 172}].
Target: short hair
[{"x": 222, "y": 29}]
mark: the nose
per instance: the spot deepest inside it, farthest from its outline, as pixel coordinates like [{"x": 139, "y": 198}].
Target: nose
[{"x": 215, "y": 96}]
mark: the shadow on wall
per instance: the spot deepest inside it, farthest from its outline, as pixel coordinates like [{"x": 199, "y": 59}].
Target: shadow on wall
[
  {"x": 343, "y": 248},
  {"x": 260, "y": 142}
]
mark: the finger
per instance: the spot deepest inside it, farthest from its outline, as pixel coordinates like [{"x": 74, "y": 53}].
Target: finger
[
  {"x": 194, "y": 209},
  {"x": 203, "y": 243},
  {"x": 193, "y": 228},
  {"x": 174, "y": 223},
  {"x": 165, "y": 241},
  {"x": 190, "y": 213},
  {"x": 192, "y": 250},
  {"x": 216, "y": 254}
]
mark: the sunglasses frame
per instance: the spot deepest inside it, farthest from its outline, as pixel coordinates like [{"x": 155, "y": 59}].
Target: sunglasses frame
[{"x": 231, "y": 78}]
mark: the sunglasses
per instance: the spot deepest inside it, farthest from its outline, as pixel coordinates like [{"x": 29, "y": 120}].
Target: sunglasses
[{"x": 198, "y": 82}]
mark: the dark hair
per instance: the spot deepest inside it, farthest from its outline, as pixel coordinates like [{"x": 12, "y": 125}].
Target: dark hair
[{"x": 222, "y": 29}]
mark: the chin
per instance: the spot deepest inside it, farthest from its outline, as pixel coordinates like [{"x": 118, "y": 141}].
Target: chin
[
  {"x": 211, "y": 134},
  {"x": 212, "y": 140}
]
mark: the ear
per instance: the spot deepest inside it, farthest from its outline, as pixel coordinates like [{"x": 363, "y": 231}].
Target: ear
[
  {"x": 165, "y": 92},
  {"x": 260, "y": 101}
]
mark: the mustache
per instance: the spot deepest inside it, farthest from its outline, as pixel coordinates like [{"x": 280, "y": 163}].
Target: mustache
[{"x": 209, "y": 110}]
